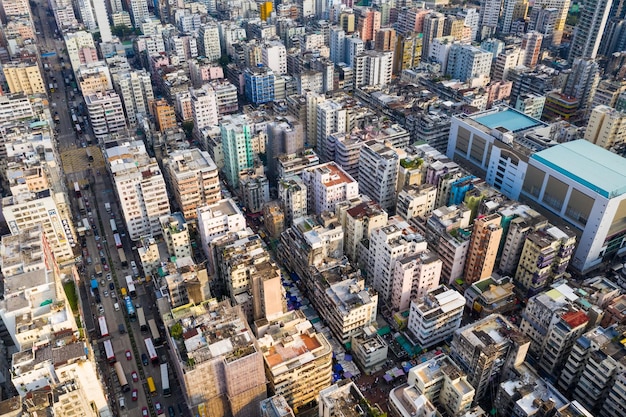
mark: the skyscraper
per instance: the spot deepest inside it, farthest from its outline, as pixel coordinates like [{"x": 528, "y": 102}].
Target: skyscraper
[
  {"x": 237, "y": 146},
  {"x": 589, "y": 30}
]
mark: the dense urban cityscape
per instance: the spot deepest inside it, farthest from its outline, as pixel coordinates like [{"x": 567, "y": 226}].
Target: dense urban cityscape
[{"x": 259, "y": 208}]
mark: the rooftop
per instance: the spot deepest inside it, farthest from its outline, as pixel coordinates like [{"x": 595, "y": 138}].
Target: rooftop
[
  {"x": 594, "y": 167},
  {"x": 509, "y": 119}
]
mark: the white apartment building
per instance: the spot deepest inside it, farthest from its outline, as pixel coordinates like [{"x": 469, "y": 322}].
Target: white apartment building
[
  {"x": 135, "y": 89},
  {"x": 138, "y": 11},
  {"x": 436, "y": 316},
  {"x": 49, "y": 210},
  {"x": 81, "y": 48},
  {"x": 176, "y": 235},
  {"x": 204, "y": 107},
  {"x": 440, "y": 51},
  {"x": 327, "y": 185},
  {"x": 387, "y": 246},
  {"x": 140, "y": 187},
  {"x": 348, "y": 307},
  {"x": 358, "y": 219},
  {"x": 469, "y": 63},
  {"x": 373, "y": 68},
  {"x": 14, "y": 107},
  {"x": 292, "y": 194},
  {"x": 378, "y": 173},
  {"x": 274, "y": 56},
  {"x": 230, "y": 34},
  {"x": 209, "y": 41},
  {"x": 29, "y": 274},
  {"x": 331, "y": 118},
  {"x": 216, "y": 220},
  {"x": 416, "y": 200},
  {"x": 413, "y": 277},
  {"x": 194, "y": 179},
  {"x": 530, "y": 104},
  {"x": 106, "y": 113}
]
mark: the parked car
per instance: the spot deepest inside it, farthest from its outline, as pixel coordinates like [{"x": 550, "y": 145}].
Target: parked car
[
  {"x": 134, "y": 395},
  {"x": 129, "y": 355},
  {"x": 111, "y": 286},
  {"x": 109, "y": 277},
  {"x": 106, "y": 293},
  {"x": 171, "y": 412},
  {"x": 158, "y": 407},
  {"x": 134, "y": 376},
  {"x": 105, "y": 266},
  {"x": 144, "y": 412},
  {"x": 100, "y": 309}
]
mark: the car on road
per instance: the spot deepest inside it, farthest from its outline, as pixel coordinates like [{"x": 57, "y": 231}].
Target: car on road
[
  {"x": 134, "y": 376},
  {"x": 106, "y": 267},
  {"x": 106, "y": 293},
  {"x": 144, "y": 359},
  {"x": 144, "y": 412},
  {"x": 102, "y": 254},
  {"x": 109, "y": 277},
  {"x": 171, "y": 412},
  {"x": 129, "y": 356},
  {"x": 99, "y": 245},
  {"x": 134, "y": 395},
  {"x": 111, "y": 286},
  {"x": 100, "y": 309},
  {"x": 158, "y": 407}
]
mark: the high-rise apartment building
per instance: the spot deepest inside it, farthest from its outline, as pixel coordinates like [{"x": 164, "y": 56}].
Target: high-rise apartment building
[
  {"x": 259, "y": 85},
  {"x": 106, "y": 114},
  {"x": 385, "y": 40},
  {"x": 544, "y": 258},
  {"x": 204, "y": 107},
  {"x": 368, "y": 24},
  {"x": 589, "y": 29},
  {"x": 582, "y": 81},
  {"x": 138, "y": 11},
  {"x": 194, "y": 179},
  {"x": 468, "y": 62},
  {"x": 164, "y": 115},
  {"x": 140, "y": 187},
  {"x": 237, "y": 146},
  {"x": 582, "y": 184},
  {"x": 490, "y": 11},
  {"x": 358, "y": 219},
  {"x": 373, "y": 68},
  {"x": 225, "y": 373},
  {"x": 531, "y": 46},
  {"x": 435, "y": 316},
  {"x": 483, "y": 249},
  {"x": 378, "y": 173},
  {"x": 81, "y": 48},
  {"x": 413, "y": 277},
  {"x": 274, "y": 56},
  {"x": 176, "y": 235},
  {"x": 433, "y": 28},
  {"x": 606, "y": 127},
  {"x": 209, "y": 41},
  {"x": 408, "y": 52},
  {"x": 292, "y": 194},
  {"x": 284, "y": 137},
  {"x": 512, "y": 11},
  {"x": 482, "y": 348},
  {"x": 327, "y": 185},
  {"x": 24, "y": 77},
  {"x": 387, "y": 246},
  {"x": 301, "y": 375},
  {"x": 45, "y": 209},
  {"x": 562, "y": 7},
  {"x": 135, "y": 89}
]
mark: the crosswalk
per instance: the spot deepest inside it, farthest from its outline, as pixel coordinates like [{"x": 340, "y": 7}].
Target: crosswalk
[{"x": 75, "y": 160}]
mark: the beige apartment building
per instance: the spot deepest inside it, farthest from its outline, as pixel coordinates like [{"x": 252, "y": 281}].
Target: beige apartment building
[
  {"x": 483, "y": 248},
  {"x": 24, "y": 77}
]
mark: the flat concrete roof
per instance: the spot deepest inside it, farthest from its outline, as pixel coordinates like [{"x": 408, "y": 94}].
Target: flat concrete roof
[
  {"x": 594, "y": 167},
  {"x": 509, "y": 119}
]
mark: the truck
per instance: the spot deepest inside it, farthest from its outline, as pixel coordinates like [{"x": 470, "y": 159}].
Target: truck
[
  {"x": 113, "y": 225},
  {"x": 107, "y": 207},
  {"x": 118, "y": 240},
  {"x": 98, "y": 269}
]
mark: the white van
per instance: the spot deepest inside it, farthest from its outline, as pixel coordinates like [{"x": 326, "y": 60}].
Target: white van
[
  {"x": 116, "y": 306},
  {"x": 122, "y": 402}
]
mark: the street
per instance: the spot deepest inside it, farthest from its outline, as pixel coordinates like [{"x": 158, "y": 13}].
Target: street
[{"x": 96, "y": 190}]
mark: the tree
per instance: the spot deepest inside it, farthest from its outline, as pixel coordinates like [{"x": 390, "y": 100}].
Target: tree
[
  {"x": 121, "y": 31},
  {"x": 177, "y": 331},
  {"x": 188, "y": 128}
]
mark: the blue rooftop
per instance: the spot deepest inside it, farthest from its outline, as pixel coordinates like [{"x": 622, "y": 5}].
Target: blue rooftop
[
  {"x": 509, "y": 119},
  {"x": 594, "y": 167}
]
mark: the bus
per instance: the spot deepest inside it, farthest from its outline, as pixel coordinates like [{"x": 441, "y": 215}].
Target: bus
[
  {"x": 104, "y": 331},
  {"x": 131, "y": 286},
  {"x": 130, "y": 308},
  {"x": 108, "y": 348},
  {"x": 142, "y": 320},
  {"x": 122, "y": 255},
  {"x": 113, "y": 225},
  {"x": 118, "y": 241},
  {"x": 121, "y": 377},
  {"x": 165, "y": 380},
  {"x": 151, "y": 386},
  {"x": 151, "y": 351},
  {"x": 89, "y": 155},
  {"x": 77, "y": 189},
  {"x": 154, "y": 331}
]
